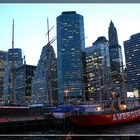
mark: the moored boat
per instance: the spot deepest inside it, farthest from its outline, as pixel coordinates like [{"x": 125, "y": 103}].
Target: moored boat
[
  {"x": 22, "y": 113},
  {"x": 97, "y": 116}
]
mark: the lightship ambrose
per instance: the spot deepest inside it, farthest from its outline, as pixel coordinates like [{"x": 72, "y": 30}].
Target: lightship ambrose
[{"x": 106, "y": 117}]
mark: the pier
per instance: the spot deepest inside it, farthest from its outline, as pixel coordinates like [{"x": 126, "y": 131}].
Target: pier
[
  {"x": 22, "y": 120},
  {"x": 21, "y": 125}
]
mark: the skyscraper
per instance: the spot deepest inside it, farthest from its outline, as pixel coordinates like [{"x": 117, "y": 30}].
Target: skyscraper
[
  {"x": 23, "y": 83},
  {"x": 42, "y": 87},
  {"x": 13, "y": 57},
  {"x": 132, "y": 57},
  {"x": 98, "y": 70},
  {"x": 2, "y": 67},
  {"x": 113, "y": 37},
  {"x": 116, "y": 61},
  {"x": 70, "y": 41}
]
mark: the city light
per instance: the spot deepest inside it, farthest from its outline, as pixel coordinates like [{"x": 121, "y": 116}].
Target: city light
[
  {"x": 66, "y": 93},
  {"x": 98, "y": 108}
]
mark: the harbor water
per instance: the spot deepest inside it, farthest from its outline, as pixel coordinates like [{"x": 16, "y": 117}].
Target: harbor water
[{"x": 119, "y": 132}]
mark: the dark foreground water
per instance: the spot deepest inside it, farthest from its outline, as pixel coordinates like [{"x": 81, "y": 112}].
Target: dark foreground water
[{"x": 129, "y": 131}]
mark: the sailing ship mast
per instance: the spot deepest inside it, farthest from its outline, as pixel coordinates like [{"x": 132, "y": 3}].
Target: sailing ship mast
[
  {"x": 49, "y": 69},
  {"x": 124, "y": 92},
  {"x": 82, "y": 69},
  {"x": 49, "y": 61},
  {"x": 13, "y": 68}
]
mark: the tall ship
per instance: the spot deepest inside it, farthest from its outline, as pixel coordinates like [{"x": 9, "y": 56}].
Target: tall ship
[{"x": 10, "y": 110}]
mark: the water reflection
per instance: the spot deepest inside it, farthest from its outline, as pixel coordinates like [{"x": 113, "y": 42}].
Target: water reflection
[
  {"x": 129, "y": 131},
  {"x": 123, "y": 129},
  {"x": 69, "y": 136}
]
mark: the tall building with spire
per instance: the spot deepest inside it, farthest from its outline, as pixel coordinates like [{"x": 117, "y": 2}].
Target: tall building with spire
[
  {"x": 116, "y": 61},
  {"x": 70, "y": 41},
  {"x": 113, "y": 37}
]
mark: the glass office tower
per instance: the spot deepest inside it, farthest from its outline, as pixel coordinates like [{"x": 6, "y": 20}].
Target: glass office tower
[
  {"x": 23, "y": 81},
  {"x": 70, "y": 41},
  {"x": 41, "y": 92},
  {"x": 132, "y": 57},
  {"x": 98, "y": 70},
  {"x": 2, "y": 67}
]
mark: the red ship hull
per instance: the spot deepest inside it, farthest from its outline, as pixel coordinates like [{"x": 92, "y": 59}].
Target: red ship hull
[{"x": 105, "y": 119}]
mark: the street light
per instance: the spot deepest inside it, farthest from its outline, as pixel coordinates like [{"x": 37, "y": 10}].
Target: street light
[
  {"x": 113, "y": 94},
  {"x": 66, "y": 93}
]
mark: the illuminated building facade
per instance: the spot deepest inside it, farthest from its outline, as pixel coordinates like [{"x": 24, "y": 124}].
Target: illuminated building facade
[
  {"x": 98, "y": 70},
  {"x": 116, "y": 63},
  {"x": 132, "y": 57},
  {"x": 44, "y": 84},
  {"x": 70, "y": 41},
  {"x": 13, "y": 60},
  {"x": 2, "y": 67},
  {"x": 23, "y": 83}
]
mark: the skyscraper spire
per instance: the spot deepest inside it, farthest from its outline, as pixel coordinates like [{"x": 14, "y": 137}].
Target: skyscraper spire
[
  {"x": 111, "y": 24},
  {"x": 112, "y": 33}
]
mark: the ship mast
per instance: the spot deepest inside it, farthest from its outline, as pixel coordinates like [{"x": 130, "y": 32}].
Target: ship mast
[
  {"x": 49, "y": 68},
  {"x": 48, "y": 31},
  {"x": 13, "y": 68},
  {"x": 123, "y": 83},
  {"x": 49, "y": 61},
  {"x": 82, "y": 70}
]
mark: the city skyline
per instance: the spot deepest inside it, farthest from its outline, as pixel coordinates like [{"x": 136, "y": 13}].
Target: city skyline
[{"x": 31, "y": 24}]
